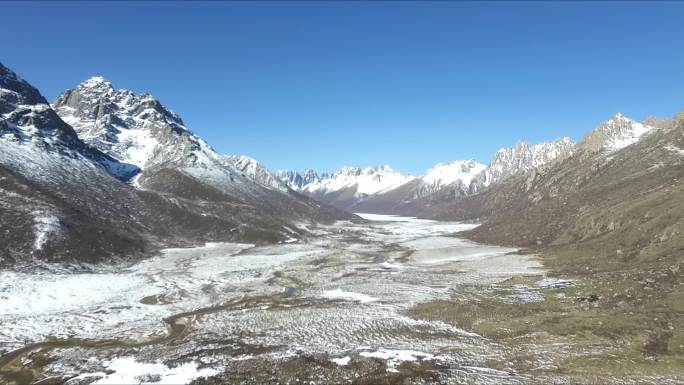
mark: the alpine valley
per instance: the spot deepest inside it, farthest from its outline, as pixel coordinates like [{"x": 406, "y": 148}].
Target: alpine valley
[{"x": 132, "y": 252}]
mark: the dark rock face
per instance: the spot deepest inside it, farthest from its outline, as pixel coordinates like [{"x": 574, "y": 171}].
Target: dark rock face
[{"x": 24, "y": 106}]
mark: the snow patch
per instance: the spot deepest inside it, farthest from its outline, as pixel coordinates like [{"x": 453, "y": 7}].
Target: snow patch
[
  {"x": 348, "y": 296},
  {"x": 129, "y": 371},
  {"x": 675, "y": 149},
  {"x": 44, "y": 224},
  {"x": 344, "y": 361},
  {"x": 395, "y": 357}
]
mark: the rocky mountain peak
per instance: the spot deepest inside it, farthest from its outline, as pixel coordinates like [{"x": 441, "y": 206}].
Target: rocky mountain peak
[
  {"x": 133, "y": 128},
  {"x": 255, "y": 171},
  {"x": 615, "y": 133},
  {"x": 96, "y": 83}
]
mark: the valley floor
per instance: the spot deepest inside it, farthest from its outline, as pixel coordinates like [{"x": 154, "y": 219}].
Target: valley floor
[{"x": 397, "y": 300}]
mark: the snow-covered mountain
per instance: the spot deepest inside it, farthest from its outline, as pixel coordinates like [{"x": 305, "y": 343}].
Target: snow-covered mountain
[
  {"x": 140, "y": 132},
  {"x": 374, "y": 192},
  {"x": 135, "y": 129},
  {"x": 614, "y": 134},
  {"x": 522, "y": 158},
  {"x": 455, "y": 176},
  {"x": 364, "y": 181},
  {"x": 458, "y": 174},
  {"x": 362, "y": 188},
  {"x": 382, "y": 189},
  {"x": 298, "y": 180},
  {"x": 346, "y": 186}
]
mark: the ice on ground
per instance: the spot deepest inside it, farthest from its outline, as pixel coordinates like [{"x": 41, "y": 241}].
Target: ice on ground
[
  {"x": 674, "y": 149},
  {"x": 99, "y": 305},
  {"x": 348, "y": 296},
  {"x": 126, "y": 370},
  {"x": 372, "y": 272},
  {"x": 438, "y": 250}
]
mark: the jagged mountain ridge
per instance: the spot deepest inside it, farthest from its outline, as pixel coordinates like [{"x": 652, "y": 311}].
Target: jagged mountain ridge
[
  {"x": 254, "y": 170},
  {"x": 521, "y": 158}
]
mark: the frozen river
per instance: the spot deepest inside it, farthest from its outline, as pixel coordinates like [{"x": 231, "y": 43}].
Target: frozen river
[{"x": 343, "y": 292}]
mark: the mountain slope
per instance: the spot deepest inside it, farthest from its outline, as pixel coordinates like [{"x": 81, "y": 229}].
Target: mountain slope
[
  {"x": 62, "y": 200},
  {"x": 622, "y": 204}
]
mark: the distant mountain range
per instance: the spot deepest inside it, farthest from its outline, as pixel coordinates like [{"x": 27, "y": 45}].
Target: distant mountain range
[
  {"x": 104, "y": 174},
  {"x": 383, "y": 190}
]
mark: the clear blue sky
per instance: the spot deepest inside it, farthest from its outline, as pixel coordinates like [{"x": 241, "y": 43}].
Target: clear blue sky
[{"x": 323, "y": 85}]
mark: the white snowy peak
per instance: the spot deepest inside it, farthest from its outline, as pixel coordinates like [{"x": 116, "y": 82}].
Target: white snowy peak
[
  {"x": 133, "y": 128},
  {"x": 458, "y": 174},
  {"x": 364, "y": 181},
  {"x": 443, "y": 174},
  {"x": 614, "y": 134}
]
